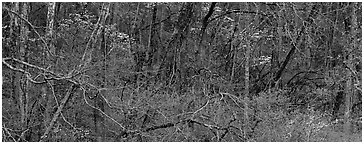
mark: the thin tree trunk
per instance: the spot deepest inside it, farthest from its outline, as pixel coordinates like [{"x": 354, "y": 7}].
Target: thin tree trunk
[
  {"x": 48, "y": 95},
  {"x": 349, "y": 82},
  {"x": 152, "y": 45},
  {"x": 18, "y": 92},
  {"x": 134, "y": 51},
  {"x": 330, "y": 42},
  {"x": 276, "y": 50},
  {"x": 204, "y": 54},
  {"x": 309, "y": 43},
  {"x": 98, "y": 100},
  {"x": 15, "y": 76},
  {"x": 184, "y": 21},
  {"x": 246, "y": 70},
  {"x": 23, "y": 56}
]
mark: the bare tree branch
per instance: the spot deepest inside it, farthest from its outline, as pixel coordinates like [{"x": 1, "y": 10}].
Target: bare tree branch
[{"x": 58, "y": 112}]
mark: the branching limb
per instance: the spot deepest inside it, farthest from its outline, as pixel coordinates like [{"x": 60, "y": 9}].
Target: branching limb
[
  {"x": 59, "y": 110},
  {"x": 55, "y": 98},
  {"x": 54, "y": 76},
  {"x": 6, "y": 133}
]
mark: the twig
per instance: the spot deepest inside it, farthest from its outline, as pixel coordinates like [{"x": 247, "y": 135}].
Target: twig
[{"x": 208, "y": 101}]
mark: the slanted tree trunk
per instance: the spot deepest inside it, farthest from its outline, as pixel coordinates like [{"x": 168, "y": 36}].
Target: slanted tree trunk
[
  {"x": 202, "y": 50},
  {"x": 58, "y": 112}
]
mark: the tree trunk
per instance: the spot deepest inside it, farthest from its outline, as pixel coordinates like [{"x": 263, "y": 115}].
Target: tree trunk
[
  {"x": 308, "y": 45},
  {"x": 276, "y": 50},
  {"x": 23, "y": 51},
  {"x": 48, "y": 95},
  {"x": 134, "y": 46},
  {"x": 153, "y": 33},
  {"x": 184, "y": 20},
  {"x": 202, "y": 50},
  {"x": 18, "y": 91},
  {"x": 246, "y": 69},
  {"x": 20, "y": 79},
  {"x": 349, "y": 63}
]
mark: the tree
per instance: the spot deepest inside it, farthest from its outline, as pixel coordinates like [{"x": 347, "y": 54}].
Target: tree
[
  {"x": 247, "y": 66},
  {"x": 49, "y": 61},
  {"x": 23, "y": 82},
  {"x": 349, "y": 92}
]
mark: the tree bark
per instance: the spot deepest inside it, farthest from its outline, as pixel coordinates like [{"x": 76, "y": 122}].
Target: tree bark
[
  {"x": 48, "y": 95},
  {"x": 24, "y": 52},
  {"x": 203, "y": 52},
  {"x": 98, "y": 101},
  {"x": 184, "y": 20},
  {"x": 276, "y": 50},
  {"x": 308, "y": 45},
  {"x": 152, "y": 45},
  {"x": 20, "y": 80},
  {"x": 246, "y": 70},
  {"x": 18, "y": 91},
  {"x": 349, "y": 63}
]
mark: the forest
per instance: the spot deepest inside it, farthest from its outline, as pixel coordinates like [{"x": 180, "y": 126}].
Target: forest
[{"x": 181, "y": 72}]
